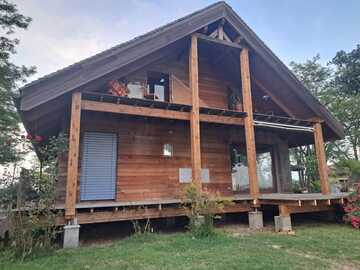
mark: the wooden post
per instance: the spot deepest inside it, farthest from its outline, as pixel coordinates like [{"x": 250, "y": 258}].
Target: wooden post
[
  {"x": 321, "y": 158},
  {"x": 249, "y": 123},
  {"x": 195, "y": 114},
  {"x": 284, "y": 211},
  {"x": 73, "y": 157}
]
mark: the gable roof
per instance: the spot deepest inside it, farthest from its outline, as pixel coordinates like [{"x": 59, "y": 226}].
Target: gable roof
[{"x": 81, "y": 73}]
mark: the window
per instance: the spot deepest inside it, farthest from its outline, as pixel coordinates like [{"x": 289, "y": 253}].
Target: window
[
  {"x": 167, "y": 150},
  {"x": 264, "y": 170},
  {"x": 158, "y": 86},
  {"x": 239, "y": 169}
]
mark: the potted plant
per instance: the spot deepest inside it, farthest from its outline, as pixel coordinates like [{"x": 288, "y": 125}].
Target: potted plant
[{"x": 235, "y": 100}]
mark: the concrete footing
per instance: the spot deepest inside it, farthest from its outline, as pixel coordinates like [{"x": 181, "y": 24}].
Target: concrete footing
[
  {"x": 71, "y": 236},
  {"x": 282, "y": 223},
  {"x": 256, "y": 220}
]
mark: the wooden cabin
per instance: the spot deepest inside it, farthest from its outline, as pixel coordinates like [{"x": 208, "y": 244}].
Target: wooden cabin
[{"x": 201, "y": 100}]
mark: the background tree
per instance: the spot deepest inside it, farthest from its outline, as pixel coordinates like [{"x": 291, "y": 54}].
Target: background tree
[
  {"x": 344, "y": 96},
  {"x": 337, "y": 86},
  {"x": 10, "y": 76},
  {"x": 316, "y": 79}
]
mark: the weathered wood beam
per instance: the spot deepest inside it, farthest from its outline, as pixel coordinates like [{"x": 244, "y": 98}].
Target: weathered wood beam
[
  {"x": 249, "y": 123},
  {"x": 221, "y": 119},
  {"x": 73, "y": 157},
  {"x": 218, "y": 41},
  {"x": 195, "y": 113},
  {"x": 220, "y": 30},
  {"x": 284, "y": 210},
  {"x": 142, "y": 213},
  {"x": 321, "y": 158},
  {"x": 309, "y": 209},
  {"x": 133, "y": 110},
  {"x": 97, "y": 106},
  {"x": 276, "y": 100}
]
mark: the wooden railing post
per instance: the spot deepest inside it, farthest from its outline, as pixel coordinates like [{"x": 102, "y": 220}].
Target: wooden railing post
[
  {"x": 195, "y": 114},
  {"x": 249, "y": 123},
  {"x": 73, "y": 157},
  {"x": 321, "y": 158}
]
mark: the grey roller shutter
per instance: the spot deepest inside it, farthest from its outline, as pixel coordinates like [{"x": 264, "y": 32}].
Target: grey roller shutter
[{"x": 98, "y": 166}]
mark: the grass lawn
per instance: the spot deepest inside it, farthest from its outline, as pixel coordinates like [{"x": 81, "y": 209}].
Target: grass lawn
[{"x": 320, "y": 246}]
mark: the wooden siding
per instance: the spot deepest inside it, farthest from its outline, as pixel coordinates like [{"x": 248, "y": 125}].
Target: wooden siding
[
  {"x": 144, "y": 174},
  {"x": 212, "y": 84}
]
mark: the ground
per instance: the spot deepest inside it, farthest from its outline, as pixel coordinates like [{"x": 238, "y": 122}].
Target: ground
[{"x": 314, "y": 246}]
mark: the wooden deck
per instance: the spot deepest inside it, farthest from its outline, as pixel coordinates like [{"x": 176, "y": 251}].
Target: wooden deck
[
  {"x": 302, "y": 196},
  {"x": 110, "y": 211},
  {"x": 111, "y": 204}
]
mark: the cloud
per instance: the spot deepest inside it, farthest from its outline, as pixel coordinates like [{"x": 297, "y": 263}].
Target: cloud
[{"x": 63, "y": 32}]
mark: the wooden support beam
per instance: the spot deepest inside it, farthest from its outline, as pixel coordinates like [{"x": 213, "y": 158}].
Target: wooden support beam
[
  {"x": 220, "y": 33},
  {"x": 214, "y": 40},
  {"x": 133, "y": 110},
  {"x": 321, "y": 158},
  {"x": 249, "y": 123},
  {"x": 309, "y": 209},
  {"x": 142, "y": 213},
  {"x": 195, "y": 113},
  {"x": 73, "y": 157},
  {"x": 276, "y": 100},
  {"x": 284, "y": 210},
  {"x": 221, "y": 119},
  {"x": 90, "y": 105}
]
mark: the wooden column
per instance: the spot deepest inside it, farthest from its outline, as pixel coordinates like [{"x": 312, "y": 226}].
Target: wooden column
[
  {"x": 249, "y": 123},
  {"x": 73, "y": 157},
  {"x": 321, "y": 158},
  {"x": 195, "y": 114},
  {"x": 284, "y": 210}
]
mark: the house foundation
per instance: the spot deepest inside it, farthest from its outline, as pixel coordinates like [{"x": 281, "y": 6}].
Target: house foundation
[
  {"x": 282, "y": 223},
  {"x": 71, "y": 236},
  {"x": 256, "y": 220}
]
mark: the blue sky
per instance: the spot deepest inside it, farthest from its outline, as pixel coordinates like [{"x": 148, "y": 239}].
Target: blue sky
[{"x": 63, "y": 32}]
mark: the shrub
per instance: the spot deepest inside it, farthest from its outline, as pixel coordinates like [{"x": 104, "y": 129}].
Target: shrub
[
  {"x": 200, "y": 208},
  {"x": 352, "y": 208},
  {"x": 32, "y": 199}
]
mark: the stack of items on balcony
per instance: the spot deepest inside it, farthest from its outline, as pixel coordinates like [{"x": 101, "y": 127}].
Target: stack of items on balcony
[{"x": 117, "y": 88}]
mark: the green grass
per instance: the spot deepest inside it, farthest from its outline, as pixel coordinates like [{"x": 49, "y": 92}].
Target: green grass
[{"x": 320, "y": 246}]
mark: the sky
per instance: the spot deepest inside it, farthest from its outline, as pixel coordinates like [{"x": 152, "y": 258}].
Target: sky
[{"x": 64, "y": 32}]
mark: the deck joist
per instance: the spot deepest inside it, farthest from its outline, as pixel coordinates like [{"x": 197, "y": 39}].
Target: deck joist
[{"x": 108, "y": 211}]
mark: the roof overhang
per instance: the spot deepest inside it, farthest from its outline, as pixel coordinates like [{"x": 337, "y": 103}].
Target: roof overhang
[{"x": 81, "y": 74}]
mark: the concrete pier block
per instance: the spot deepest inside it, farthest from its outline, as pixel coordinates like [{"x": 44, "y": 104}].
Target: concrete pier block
[
  {"x": 283, "y": 224},
  {"x": 256, "y": 220},
  {"x": 71, "y": 236}
]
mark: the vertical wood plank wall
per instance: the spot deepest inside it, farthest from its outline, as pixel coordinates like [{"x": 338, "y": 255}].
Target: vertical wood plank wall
[
  {"x": 143, "y": 173},
  {"x": 249, "y": 122},
  {"x": 321, "y": 158},
  {"x": 73, "y": 156}
]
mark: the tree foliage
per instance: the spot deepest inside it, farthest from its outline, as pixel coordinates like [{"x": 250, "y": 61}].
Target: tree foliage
[
  {"x": 337, "y": 86},
  {"x": 315, "y": 77},
  {"x": 344, "y": 96},
  {"x": 10, "y": 76}
]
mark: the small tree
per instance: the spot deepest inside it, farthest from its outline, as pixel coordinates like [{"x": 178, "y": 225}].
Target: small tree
[
  {"x": 31, "y": 208},
  {"x": 10, "y": 76},
  {"x": 200, "y": 208}
]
